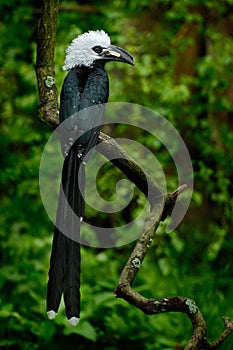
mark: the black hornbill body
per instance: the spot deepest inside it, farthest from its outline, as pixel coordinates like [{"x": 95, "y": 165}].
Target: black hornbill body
[{"x": 85, "y": 85}]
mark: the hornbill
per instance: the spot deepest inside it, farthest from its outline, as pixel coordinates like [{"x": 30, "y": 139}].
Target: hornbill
[{"x": 85, "y": 85}]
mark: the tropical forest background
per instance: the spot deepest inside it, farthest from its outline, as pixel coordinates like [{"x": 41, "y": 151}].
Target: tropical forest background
[{"x": 184, "y": 70}]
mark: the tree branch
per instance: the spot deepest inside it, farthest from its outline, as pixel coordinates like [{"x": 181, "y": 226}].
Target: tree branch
[
  {"x": 46, "y": 39},
  {"x": 161, "y": 203},
  {"x": 228, "y": 330},
  {"x": 169, "y": 304},
  {"x": 112, "y": 151}
]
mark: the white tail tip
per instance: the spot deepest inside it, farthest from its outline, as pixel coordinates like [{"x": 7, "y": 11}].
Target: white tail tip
[
  {"x": 74, "y": 321},
  {"x": 81, "y": 218},
  {"x": 51, "y": 314}
]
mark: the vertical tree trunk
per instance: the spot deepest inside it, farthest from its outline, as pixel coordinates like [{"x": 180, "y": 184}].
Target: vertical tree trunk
[{"x": 46, "y": 39}]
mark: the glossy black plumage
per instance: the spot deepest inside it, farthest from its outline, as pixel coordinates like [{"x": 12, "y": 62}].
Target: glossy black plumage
[
  {"x": 83, "y": 87},
  {"x": 84, "y": 93}
]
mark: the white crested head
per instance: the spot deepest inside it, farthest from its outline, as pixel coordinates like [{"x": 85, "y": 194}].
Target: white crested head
[{"x": 80, "y": 52}]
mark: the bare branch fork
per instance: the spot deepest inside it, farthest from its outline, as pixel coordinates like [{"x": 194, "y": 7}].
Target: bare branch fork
[{"x": 161, "y": 204}]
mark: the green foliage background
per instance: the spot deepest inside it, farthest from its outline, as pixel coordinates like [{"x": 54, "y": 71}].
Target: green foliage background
[{"x": 195, "y": 92}]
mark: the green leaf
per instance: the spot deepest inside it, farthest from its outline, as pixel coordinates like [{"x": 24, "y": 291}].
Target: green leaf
[{"x": 84, "y": 328}]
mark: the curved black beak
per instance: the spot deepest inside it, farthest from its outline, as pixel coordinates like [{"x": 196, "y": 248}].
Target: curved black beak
[{"x": 115, "y": 53}]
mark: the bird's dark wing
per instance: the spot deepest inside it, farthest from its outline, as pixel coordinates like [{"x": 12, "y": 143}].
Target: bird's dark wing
[
  {"x": 79, "y": 134},
  {"x": 69, "y": 107},
  {"x": 93, "y": 98},
  {"x": 82, "y": 124},
  {"x": 69, "y": 98}
]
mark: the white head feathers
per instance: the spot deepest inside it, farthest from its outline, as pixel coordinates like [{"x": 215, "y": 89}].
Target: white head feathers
[{"x": 80, "y": 52}]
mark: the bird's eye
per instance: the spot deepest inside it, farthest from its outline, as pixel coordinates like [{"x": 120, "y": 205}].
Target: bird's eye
[{"x": 97, "y": 49}]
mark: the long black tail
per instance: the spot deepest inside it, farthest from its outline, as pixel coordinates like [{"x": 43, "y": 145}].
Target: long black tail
[{"x": 64, "y": 273}]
